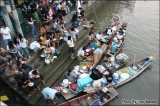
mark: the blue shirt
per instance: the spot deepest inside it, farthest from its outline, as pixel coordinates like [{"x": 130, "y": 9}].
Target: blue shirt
[
  {"x": 75, "y": 25},
  {"x": 49, "y": 93}
]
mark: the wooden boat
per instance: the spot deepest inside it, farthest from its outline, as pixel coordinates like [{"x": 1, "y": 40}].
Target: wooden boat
[
  {"x": 128, "y": 73},
  {"x": 118, "y": 63},
  {"x": 141, "y": 66},
  {"x": 121, "y": 44},
  {"x": 93, "y": 98},
  {"x": 73, "y": 93}
]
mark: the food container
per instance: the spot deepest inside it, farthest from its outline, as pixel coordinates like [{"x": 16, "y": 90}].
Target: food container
[
  {"x": 47, "y": 62},
  {"x": 51, "y": 59},
  {"x": 65, "y": 91},
  {"x": 43, "y": 56},
  {"x": 83, "y": 64},
  {"x": 31, "y": 84}
]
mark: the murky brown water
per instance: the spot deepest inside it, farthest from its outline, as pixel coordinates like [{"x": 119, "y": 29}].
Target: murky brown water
[{"x": 142, "y": 39}]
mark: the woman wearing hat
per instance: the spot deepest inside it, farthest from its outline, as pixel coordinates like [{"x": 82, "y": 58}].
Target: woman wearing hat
[{"x": 114, "y": 44}]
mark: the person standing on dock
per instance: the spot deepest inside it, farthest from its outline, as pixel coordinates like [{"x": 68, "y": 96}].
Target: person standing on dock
[
  {"x": 91, "y": 36},
  {"x": 50, "y": 95},
  {"x": 5, "y": 31},
  {"x": 71, "y": 49}
]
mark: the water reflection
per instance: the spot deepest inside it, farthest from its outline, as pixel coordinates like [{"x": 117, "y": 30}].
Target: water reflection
[
  {"x": 106, "y": 13},
  {"x": 142, "y": 40}
]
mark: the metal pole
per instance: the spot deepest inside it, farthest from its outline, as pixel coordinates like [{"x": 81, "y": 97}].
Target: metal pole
[{"x": 96, "y": 17}]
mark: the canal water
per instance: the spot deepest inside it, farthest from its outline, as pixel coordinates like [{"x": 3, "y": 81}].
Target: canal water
[{"x": 142, "y": 40}]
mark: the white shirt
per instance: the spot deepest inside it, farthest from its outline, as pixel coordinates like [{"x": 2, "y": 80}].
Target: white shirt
[
  {"x": 81, "y": 52},
  {"x": 109, "y": 32},
  {"x": 70, "y": 43},
  {"x": 55, "y": 25},
  {"x": 30, "y": 75},
  {"x": 90, "y": 37},
  {"x": 23, "y": 43},
  {"x": 73, "y": 34},
  {"x": 34, "y": 45},
  {"x": 5, "y": 31},
  {"x": 99, "y": 36},
  {"x": 53, "y": 49},
  {"x": 59, "y": 7},
  {"x": 83, "y": 75},
  {"x": 30, "y": 22},
  {"x": 119, "y": 36}
]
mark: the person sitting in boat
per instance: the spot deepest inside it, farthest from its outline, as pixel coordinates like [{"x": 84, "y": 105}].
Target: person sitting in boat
[
  {"x": 85, "y": 74},
  {"x": 120, "y": 34},
  {"x": 114, "y": 44},
  {"x": 109, "y": 31},
  {"x": 50, "y": 95},
  {"x": 95, "y": 75},
  {"x": 101, "y": 38},
  {"x": 116, "y": 22},
  {"x": 109, "y": 76},
  {"x": 110, "y": 58},
  {"x": 81, "y": 54},
  {"x": 71, "y": 75}
]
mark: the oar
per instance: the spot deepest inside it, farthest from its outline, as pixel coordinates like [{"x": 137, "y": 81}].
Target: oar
[{"x": 134, "y": 64}]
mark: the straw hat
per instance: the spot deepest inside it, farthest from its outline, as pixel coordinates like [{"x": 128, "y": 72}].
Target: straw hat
[{"x": 115, "y": 39}]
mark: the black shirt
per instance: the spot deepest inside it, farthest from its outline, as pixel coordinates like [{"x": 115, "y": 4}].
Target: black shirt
[
  {"x": 82, "y": 13},
  {"x": 18, "y": 63},
  {"x": 74, "y": 17},
  {"x": 95, "y": 75}
]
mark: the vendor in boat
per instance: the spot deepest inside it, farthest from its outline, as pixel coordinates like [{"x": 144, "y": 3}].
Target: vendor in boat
[
  {"x": 114, "y": 44},
  {"x": 120, "y": 35},
  {"x": 109, "y": 31},
  {"x": 101, "y": 37},
  {"x": 110, "y": 58},
  {"x": 108, "y": 75},
  {"x": 84, "y": 74},
  {"x": 81, "y": 54},
  {"x": 116, "y": 22},
  {"x": 95, "y": 75},
  {"x": 71, "y": 75},
  {"x": 50, "y": 95}
]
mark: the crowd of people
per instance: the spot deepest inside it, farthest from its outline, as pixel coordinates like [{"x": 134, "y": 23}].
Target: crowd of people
[{"x": 44, "y": 16}]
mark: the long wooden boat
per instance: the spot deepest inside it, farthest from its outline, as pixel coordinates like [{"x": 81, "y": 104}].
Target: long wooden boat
[
  {"x": 128, "y": 73},
  {"x": 99, "y": 97},
  {"x": 118, "y": 63},
  {"x": 111, "y": 41},
  {"x": 73, "y": 93}
]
